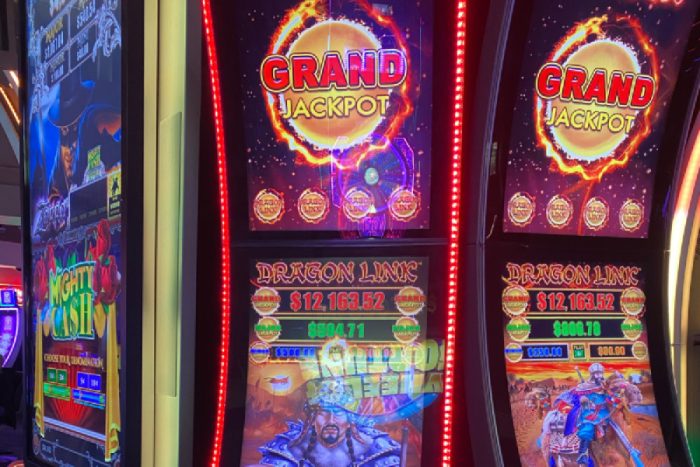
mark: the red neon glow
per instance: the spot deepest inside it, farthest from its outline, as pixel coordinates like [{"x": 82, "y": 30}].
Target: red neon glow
[
  {"x": 294, "y": 21},
  {"x": 577, "y": 36},
  {"x": 224, "y": 220},
  {"x": 453, "y": 264},
  {"x": 673, "y": 3}
]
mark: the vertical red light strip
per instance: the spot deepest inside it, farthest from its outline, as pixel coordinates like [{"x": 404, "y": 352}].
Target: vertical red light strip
[
  {"x": 453, "y": 264},
  {"x": 223, "y": 216}
]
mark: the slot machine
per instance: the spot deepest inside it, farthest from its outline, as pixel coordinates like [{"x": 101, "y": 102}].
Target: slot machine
[
  {"x": 81, "y": 190},
  {"x": 580, "y": 139},
  {"x": 329, "y": 233},
  {"x": 11, "y": 327}
]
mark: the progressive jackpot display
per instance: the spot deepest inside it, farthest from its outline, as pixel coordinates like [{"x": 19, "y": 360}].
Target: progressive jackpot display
[
  {"x": 577, "y": 362},
  {"x": 340, "y": 367},
  {"x": 336, "y": 100},
  {"x": 73, "y": 150},
  {"x": 590, "y": 115},
  {"x": 10, "y": 326}
]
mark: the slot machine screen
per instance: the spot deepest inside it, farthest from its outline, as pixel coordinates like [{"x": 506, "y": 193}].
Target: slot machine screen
[
  {"x": 339, "y": 355},
  {"x": 10, "y": 327},
  {"x": 589, "y": 116},
  {"x": 73, "y": 151},
  {"x": 337, "y": 99},
  {"x": 577, "y": 362}
]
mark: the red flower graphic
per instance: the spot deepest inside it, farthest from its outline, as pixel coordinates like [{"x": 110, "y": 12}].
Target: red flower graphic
[
  {"x": 106, "y": 280},
  {"x": 104, "y": 241},
  {"x": 50, "y": 258},
  {"x": 41, "y": 283}
]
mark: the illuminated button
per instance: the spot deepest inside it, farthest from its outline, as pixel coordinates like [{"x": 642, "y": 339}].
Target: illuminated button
[
  {"x": 95, "y": 382},
  {"x": 579, "y": 351},
  {"x": 83, "y": 380}
]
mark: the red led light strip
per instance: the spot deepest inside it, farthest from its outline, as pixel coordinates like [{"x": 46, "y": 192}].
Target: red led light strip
[
  {"x": 223, "y": 216},
  {"x": 453, "y": 265}
]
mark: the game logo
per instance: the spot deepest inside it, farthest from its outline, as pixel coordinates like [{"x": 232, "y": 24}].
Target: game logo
[
  {"x": 337, "y": 103},
  {"x": 340, "y": 368},
  {"x": 590, "y": 116},
  {"x": 577, "y": 362},
  {"x": 73, "y": 125}
]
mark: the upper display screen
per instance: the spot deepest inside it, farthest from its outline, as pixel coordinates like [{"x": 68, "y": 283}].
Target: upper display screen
[
  {"x": 577, "y": 360},
  {"x": 340, "y": 367},
  {"x": 337, "y": 105},
  {"x": 73, "y": 150},
  {"x": 595, "y": 84}
]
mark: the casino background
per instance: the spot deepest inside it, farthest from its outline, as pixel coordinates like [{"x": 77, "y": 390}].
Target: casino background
[{"x": 174, "y": 245}]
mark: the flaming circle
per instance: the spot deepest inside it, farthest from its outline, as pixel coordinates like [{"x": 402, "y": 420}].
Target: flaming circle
[
  {"x": 323, "y": 37},
  {"x": 589, "y": 146},
  {"x": 595, "y": 96},
  {"x": 331, "y": 84}
]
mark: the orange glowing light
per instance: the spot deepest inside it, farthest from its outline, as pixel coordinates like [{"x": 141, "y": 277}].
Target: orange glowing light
[
  {"x": 292, "y": 24},
  {"x": 576, "y": 37}
]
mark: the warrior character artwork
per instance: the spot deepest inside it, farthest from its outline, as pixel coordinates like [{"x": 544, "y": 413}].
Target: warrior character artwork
[
  {"x": 332, "y": 434},
  {"x": 591, "y": 413}
]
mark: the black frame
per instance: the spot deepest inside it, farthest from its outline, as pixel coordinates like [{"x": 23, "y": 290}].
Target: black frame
[
  {"x": 490, "y": 242},
  {"x": 131, "y": 234}
]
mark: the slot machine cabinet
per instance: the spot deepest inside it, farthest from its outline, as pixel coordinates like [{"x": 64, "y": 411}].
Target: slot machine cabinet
[
  {"x": 81, "y": 166},
  {"x": 567, "y": 255},
  {"x": 332, "y": 281},
  {"x": 11, "y": 325}
]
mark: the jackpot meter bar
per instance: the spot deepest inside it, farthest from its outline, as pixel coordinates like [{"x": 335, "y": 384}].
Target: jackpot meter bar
[
  {"x": 573, "y": 312},
  {"x": 297, "y": 303}
]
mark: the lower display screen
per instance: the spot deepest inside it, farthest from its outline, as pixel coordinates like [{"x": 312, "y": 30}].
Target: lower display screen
[
  {"x": 340, "y": 367},
  {"x": 10, "y": 336},
  {"x": 577, "y": 362}
]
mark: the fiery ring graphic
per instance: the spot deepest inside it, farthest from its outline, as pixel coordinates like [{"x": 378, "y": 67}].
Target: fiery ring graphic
[
  {"x": 293, "y": 22},
  {"x": 576, "y": 37}
]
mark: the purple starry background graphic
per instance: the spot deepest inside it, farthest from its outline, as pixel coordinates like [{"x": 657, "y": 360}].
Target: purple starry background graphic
[
  {"x": 530, "y": 171},
  {"x": 270, "y": 164}
]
